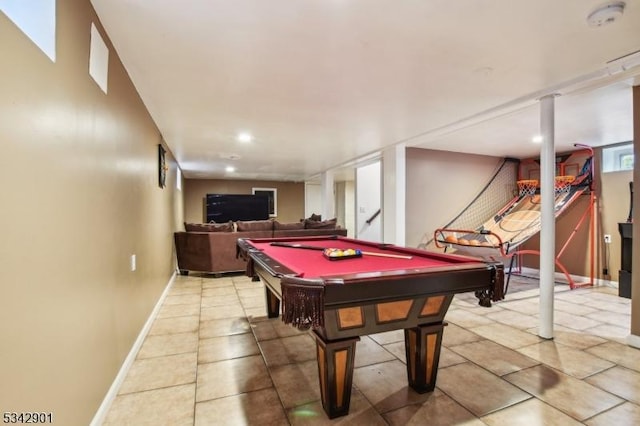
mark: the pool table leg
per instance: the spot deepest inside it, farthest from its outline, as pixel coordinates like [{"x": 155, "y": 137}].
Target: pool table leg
[
  {"x": 422, "y": 345},
  {"x": 335, "y": 370},
  {"x": 273, "y": 304}
]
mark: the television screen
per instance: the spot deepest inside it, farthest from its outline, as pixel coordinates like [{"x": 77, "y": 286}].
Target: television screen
[{"x": 222, "y": 208}]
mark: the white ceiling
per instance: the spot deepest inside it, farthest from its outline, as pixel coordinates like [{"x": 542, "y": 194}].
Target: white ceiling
[{"x": 320, "y": 83}]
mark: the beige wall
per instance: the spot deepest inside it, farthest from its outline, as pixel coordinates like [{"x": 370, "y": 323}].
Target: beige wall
[
  {"x": 79, "y": 196},
  {"x": 290, "y": 196},
  {"x": 439, "y": 185}
]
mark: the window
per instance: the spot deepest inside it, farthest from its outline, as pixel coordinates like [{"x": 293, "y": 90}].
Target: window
[
  {"x": 98, "y": 59},
  {"x": 37, "y": 19},
  {"x": 617, "y": 158},
  {"x": 626, "y": 161}
]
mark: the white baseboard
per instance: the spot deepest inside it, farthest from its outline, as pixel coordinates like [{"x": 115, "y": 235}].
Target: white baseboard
[
  {"x": 633, "y": 340},
  {"x": 559, "y": 276},
  {"x": 101, "y": 414}
]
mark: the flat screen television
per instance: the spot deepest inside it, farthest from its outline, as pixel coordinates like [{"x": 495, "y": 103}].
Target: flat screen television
[{"x": 222, "y": 208}]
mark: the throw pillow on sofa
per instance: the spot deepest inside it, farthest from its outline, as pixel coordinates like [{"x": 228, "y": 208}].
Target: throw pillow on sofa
[
  {"x": 209, "y": 227},
  {"x": 254, "y": 225},
  {"x": 324, "y": 224},
  {"x": 315, "y": 217},
  {"x": 287, "y": 226}
]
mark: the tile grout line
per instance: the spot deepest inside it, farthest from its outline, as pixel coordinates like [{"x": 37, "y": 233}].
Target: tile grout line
[
  {"x": 195, "y": 388},
  {"x": 273, "y": 384}
]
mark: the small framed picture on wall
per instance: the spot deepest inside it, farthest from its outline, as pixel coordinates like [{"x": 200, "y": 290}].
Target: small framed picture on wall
[
  {"x": 162, "y": 166},
  {"x": 272, "y": 195}
]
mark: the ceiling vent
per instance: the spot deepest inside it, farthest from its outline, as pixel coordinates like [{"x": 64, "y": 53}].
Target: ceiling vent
[{"x": 606, "y": 14}]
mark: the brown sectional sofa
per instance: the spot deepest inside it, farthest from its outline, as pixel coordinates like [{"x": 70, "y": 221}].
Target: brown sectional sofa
[{"x": 211, "y": 248}]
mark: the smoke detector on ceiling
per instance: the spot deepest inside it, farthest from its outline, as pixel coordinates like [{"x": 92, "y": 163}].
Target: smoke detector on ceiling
[{"x": 606, "y": 14}]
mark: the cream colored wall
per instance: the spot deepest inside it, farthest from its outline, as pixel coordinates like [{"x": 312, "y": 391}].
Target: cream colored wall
[
  {"x": 439, "y": 185},
  {"x": 79, "y": 196},
  {"x": 290, "y": 196}
]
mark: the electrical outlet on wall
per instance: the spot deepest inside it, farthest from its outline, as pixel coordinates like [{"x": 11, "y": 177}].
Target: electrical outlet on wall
[
  {"x": 133, "y": 262},
  {"x": 607, "y": 239}
]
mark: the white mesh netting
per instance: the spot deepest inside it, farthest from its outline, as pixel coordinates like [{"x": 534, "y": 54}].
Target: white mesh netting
[{"x": 500, "y": 189}]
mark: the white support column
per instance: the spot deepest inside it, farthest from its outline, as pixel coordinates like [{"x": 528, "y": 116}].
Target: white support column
[
  {"x": 634, "y": 337},
  {"x": 393, "y": 194},
  {"x": 328, "y": 197},
  {"x": 547, "y": 210}
]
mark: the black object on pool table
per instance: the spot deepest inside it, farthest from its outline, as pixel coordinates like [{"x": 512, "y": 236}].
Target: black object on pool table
[
  {"x": 329, "y": 253},
  {"x": 368, "y": 253},
  {"x": 300, "y": 246}
]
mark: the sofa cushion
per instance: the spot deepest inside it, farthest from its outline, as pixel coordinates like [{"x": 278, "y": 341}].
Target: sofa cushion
[
  {"x": 309, "y": 232},
  {"x": 254, "y": 225},
  {"x": 277, "y": 226},
  {"x": 324, "y": 224},
  {"x": 209, "y": 227}
]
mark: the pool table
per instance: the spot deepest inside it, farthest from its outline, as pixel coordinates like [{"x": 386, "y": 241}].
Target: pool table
[{"x": 385, "y": 288}]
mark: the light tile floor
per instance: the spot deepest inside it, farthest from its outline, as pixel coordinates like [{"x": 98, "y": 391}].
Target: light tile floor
[{"x": 212, "y": 358}]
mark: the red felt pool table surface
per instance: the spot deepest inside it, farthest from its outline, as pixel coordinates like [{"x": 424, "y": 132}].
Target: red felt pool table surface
[{"x": 312, "y": 263}]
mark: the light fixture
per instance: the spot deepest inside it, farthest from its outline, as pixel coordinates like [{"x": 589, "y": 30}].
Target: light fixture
[
  {"x": 230, "y": 169},
  {"x": 606, "y": 14},
  {"x": 245, "y": 137},
  {"x": 536, "y": 139}
]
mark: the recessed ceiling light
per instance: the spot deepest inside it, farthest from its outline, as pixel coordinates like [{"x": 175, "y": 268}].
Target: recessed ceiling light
[
  {"x": 230, "y": 169},
  {"x": 245, "y": 137},
  {"x": 536, "y": 139}
]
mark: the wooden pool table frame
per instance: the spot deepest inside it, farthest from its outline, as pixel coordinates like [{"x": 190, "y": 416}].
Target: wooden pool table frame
[{"x": 359, "y": 304}]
